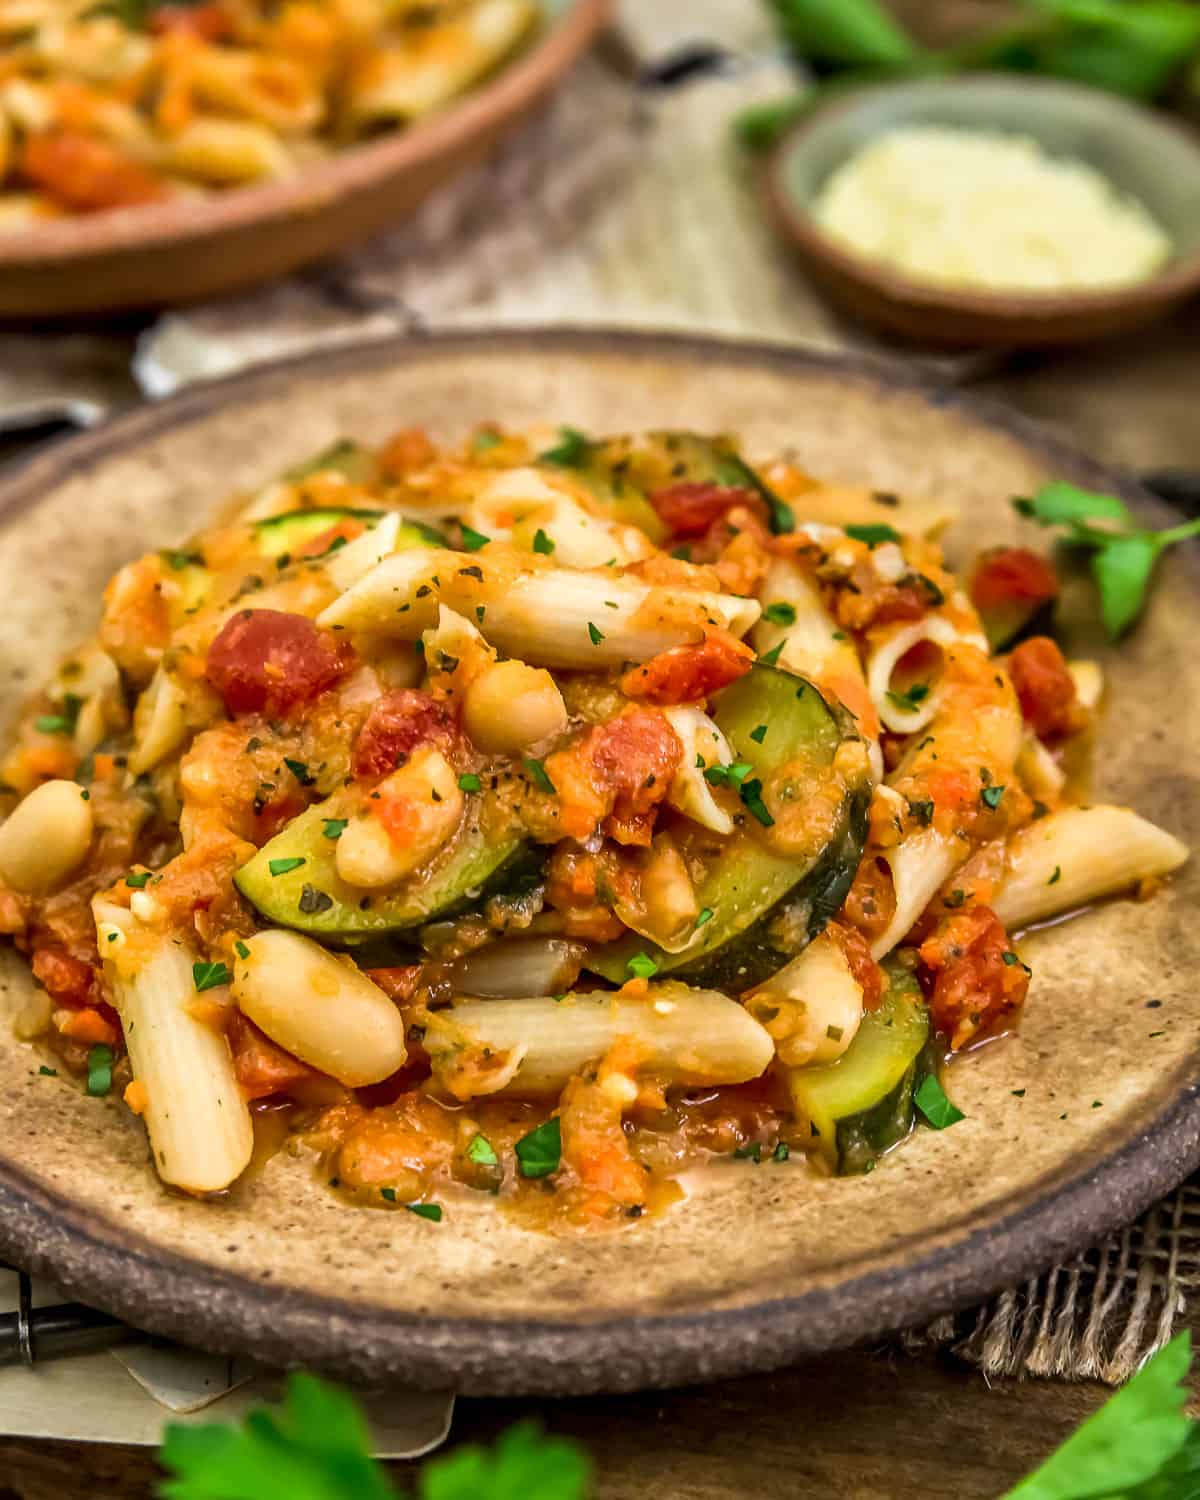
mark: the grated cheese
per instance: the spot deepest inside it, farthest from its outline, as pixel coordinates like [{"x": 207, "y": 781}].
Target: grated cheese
[{"x": 990, "y": 211}]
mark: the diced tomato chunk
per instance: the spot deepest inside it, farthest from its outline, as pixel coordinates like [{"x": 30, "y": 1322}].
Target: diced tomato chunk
[
  {"x": 1007, "y": 575},
  {"x": 635, "y": 757},
  {"x": 86, "y": 174},
  {"x": 261, "y": 1067},
  {"x": 973, "y": 977},
  {"x": 269, "y": 661},
  {"x": 1045, "y": 687},
  {"x": 690, "y": 508},
  {"x": 689, "y": 674},
  {"x": 67, "y": 980},
  {"x": 396, "y": 725},
  {"x": 346, "y": 531},
  {"x": 208, "y": 22},
  {"x": 398, "y": 983},
  {"x": 406, "y": 451}
]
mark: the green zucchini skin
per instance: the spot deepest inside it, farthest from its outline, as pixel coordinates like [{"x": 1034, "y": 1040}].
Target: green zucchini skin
[
  {"x": 281, "y": 534},
  {"x": 864, "y": 1103},
  {"x": 766, "y": 907},
  {"x": 474, "y": 868}
]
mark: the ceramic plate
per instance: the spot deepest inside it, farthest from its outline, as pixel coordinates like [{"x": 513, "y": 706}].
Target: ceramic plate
[{"x": 760, "y": 1265}]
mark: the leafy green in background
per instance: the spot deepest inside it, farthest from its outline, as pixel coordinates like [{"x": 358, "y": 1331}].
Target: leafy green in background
[{"x": 1132, "y": 47}]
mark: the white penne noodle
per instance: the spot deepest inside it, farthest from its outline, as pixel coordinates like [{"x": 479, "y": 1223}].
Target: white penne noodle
[
  {"x": 455, "y": 639},
  {"x": 91, "y": 674},
  {"x": 520, "y": 966},
  {"x": 159, "y": 722},
  {"x": 1073, "y": 857},
  {"x": 683, "y": 1035},
  {"x": 196, "y": 1116},
  {"x": 1042, "y": 775},
  {"x": 319, "y": 1007},
  {"x": 46, "y": 837},
  {"x": 549, "y": 616},
  {"x": 356, "y": 559},
  {"x": 886, "y": 652},
  {"x": 225, "y": 151},
  {"x": 812, "y": 1006},
  {"x": 846, "y": 505},
  {"x": 920, "y": 865},
  {"x": 702, "y": 742},
  {"x": 1088, "y": 677},
  {"x": 520, "y": 503},
  {"x": 273, "y": 90}
]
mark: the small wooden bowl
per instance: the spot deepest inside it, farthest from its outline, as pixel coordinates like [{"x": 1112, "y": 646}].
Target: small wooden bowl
[
  {"x": 1141, "y": 153},
  {"x": 165, "y": 254}
]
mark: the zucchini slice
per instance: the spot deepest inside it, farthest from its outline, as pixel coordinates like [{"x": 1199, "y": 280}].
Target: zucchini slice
[
  {"x": 766, "y": 906},
  {"x": 284, "y": 533},
  {"x": 350, "y": 459},
  {"x": 863, "y": 1104},
  {"x": 311, "y": 898}
]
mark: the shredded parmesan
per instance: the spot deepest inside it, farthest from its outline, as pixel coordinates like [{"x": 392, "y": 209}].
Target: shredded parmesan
[{"x": 987, "y": 210}]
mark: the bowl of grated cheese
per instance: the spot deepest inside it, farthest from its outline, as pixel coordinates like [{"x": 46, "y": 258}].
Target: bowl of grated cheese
[{"x": 992, "y": 210}]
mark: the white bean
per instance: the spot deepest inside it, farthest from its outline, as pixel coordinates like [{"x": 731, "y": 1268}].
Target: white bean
[
  {"x": 425, "y": 793},
  {"x": 319, "y": 1007},
  {"x": 511, "y": 706},
  {"x": 46, "y": 837}
]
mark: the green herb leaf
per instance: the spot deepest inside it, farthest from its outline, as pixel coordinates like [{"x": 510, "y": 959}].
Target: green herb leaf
[
  {"x": 283, "y": 866},
  {"x": 1140, "y": 1437},
  {"x": 908, "y": 701},
  {"x": 46, "y": 1072},
  {"x": 333, "y": 828},
  {"x": 1056, "y": 877},
  {"x": 539, "y": 1152},
  {"x": 210, "y": 976},
  {"x": 472, "y": 540},
  {"x": 703, "y": 917},
  {"x": 542, "y": 543},
  {"x": 780, "y": 613},
  {"x": 240, "y": 949},
  {"x": 300, "y": 771},
  {"x": 758, "y": 733},
  {"x": 921, "y": 810},
  {"x": 469, "y": 782},
  {"x": 1062, "y": 504},
  {"x": 524, "y": 1466},
  {"x": 1122, "y": 570},
  {"x": 482, "y": 1152},
  {"x": 537, "y": 774},
  {"x": 594, "y": 635},
  {"x": 751, "y": 795},
  {"x": 991, "y": 796},
  {"x": 761, "y": 125},
  {"x": 388, "y": 1194},
  {"x": 430, "y": 1211},
  {"x": 484, "y": 442},
  {"x": 873, "y": 535},
  {"x": 642, "y": 966},
  {"x": 570, "y": 452},
  {"x": 855, "y": 32},
  {"x": 781, "y": 1152},
  {"x": 771, "y": 657},
  {"x": 138, "y": 880},
  {"x": 932, "y": 1102},
  {"x": 100, "y": 1071},
  {"x": 752, "y": 1151},
  {"x": 315, "y": 1447}
]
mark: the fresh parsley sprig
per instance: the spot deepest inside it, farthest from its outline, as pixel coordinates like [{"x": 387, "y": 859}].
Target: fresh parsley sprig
[{"x": 1122, "y": 556}]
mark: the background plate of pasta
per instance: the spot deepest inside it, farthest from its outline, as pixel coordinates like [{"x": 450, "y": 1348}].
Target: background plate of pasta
[
  {"x": 153, "y": 153},
  {"x": 567, "y": 862}
]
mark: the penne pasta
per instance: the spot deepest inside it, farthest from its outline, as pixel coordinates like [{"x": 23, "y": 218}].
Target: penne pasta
[
  {"x": 811, "y": 1007},
  {"x": 1079, "y": 855},
  {"x": 918, "y": 866}
]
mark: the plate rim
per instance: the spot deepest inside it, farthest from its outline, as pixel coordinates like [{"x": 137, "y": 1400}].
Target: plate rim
[{"x": 167, "y": 1293}]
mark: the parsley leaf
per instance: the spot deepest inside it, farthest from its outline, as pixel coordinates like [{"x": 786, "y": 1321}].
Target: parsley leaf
[
  {"x": 482, "y": 1152},
  {"x": 138, "y": 881},
  {"x": 430, "y": 1211},
  {"x": 542, "y": 543},
  {"x": 780, "y": 613},
  {"x": 932, "y": 1102},
  {"x": 570, "y": 452},
  {"x": 594, "y": 634},
  {"x": 485, "y": 441},
  {"x": 333, "y": 828},
  {"x": 1140, "y": 1437},
  {"x": 63, "y": 722},
  {"x": 1062, "y": 504},
  {"x": 751, "y": 795},
  {"x": 100, "y": 1070},
  {"x": 538, "y": 775},
  {"x": 469, "y": 782},
  {"x": 991, "y": 795},
  {"x": 524, "y": 1465},
  {"x": 703, "y": 917},
  {"x": 873, "y": 534},
  {"x": 539, "y": 1152},
  {"x": 283, "y": 866},
  {"x": 908, "y": 701},
  {"x": 472, "y": 540},
  {"x": 758, "y": 733},
  {"x": 642, "y": 966},
  {"x": 210, "y": 976},
  {"x": 300, "y": 771},
  {"x": 769, "y": 658}
]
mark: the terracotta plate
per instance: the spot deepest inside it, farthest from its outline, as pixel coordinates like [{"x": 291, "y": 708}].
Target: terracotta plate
[
  {"x": 761, "y": 1264},
  {"x": 180, "y": 251}
]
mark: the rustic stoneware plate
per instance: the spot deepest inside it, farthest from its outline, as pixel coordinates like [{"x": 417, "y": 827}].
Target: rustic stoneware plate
[
  {"x": 1141, "y": 153},
  {"x": 180, "y": 251},
  {"x": 761, "y": 1264}
]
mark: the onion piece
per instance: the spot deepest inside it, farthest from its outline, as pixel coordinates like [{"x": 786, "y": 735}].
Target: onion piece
[{"x": 519, "y": 966}]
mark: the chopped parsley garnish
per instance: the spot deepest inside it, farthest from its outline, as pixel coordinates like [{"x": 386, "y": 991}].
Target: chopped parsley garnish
[
  {"x": 921, "y": 810},
  {"x": 781, "y": 1152},
  {"x": 931, "y": 1100},
  {"x": 138, "y": 881},
  {"x": 100, "y": 1070},
  {"x": 180, "y": 560},
  {"x": 469, "y": 782},
  {"x": 430, "y": 1211},
  {"x": 48, "y": 1072},
  {"x": 472, "y": 540},
  {"x": 542, "y": 543},
  {"x": 539, "y": 1152},
  {"x": 908, "y": 701},
  {"x": 283, "y": 866},
  {"x": 482, "y": 1152},
  {"x": 991, "y": 795},
  {"x": 595, "y": 635},
  {"x": 64, "y": 722},
  {"x": 333, "y": 828},
  {"x": 569, "y": 452},
  {"x": 1056, "y": 877},
  {"x": 955, "y": 899},
  {"x": 758, "y": 733},
  {"x": 210, "y": 976},
  {"x": 537, "y": 774},
  {"x": 751, "y": 1152},
  {"x": 240, "y": 949},
  {"x": 1010, "y": 958},
  {"x": 704, "y": 917},
  {"x": 313, "y": 901},
  {"x": 388, "y": 1194},
  {"x": 751, "y": 795},
  {"x": 484, "y": 442},
  {"x": 732, "y": 775},
  {"x": 780, "y": 613},
  {"x": 300, "y": 771},
  {"x": 769, "y": 658},
  {"x": 642, "y": 966},
  {"x": 873, "y": 534}
]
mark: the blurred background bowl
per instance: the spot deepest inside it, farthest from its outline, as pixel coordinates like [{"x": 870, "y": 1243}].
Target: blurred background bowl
[
  {"x": 165, "y": 254},
  {"x": 1140, "y": 153}
]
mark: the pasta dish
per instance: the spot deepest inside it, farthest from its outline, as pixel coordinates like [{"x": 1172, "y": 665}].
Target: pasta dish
[
  {"x": 123, "y": 102},
  {"x": 547, "y": 815}
]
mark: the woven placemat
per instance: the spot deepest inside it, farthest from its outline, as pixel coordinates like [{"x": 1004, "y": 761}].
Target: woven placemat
[{"x": 625, "y": 203}]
